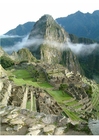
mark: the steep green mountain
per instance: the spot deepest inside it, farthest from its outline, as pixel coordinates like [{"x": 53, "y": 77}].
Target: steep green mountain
[
  {"x": 75, "y": 39},
  {"x": 82, "y": 24},
  {"x": 90, "y": 64},
  {"x": 53, "y": 46}
]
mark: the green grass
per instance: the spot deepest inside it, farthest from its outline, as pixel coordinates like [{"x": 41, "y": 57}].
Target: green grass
[
  {"x": 24, "y": 77},
  {"x": 21, "y": 82},
  {"x": 72, "y": 103},
  {"x": 45, "y": 85},
  {"x": 72, "y": 115},
  {"x": 59, "y": 96},
  {"x": 28, "y": 105},
  {"x": 22, "y": 74}
]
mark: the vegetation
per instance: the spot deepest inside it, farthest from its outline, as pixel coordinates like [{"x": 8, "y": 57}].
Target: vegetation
[
  {"x": 6, "y": 62},
  {"x": 89, "y": 91},
  {"x": 63, "y": 86},
  {"x": 22, "y": 73}
]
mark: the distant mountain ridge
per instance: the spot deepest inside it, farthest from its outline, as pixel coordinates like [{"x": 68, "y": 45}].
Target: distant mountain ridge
[
  {"x": 82, "y": 24},
  {"x": 21, "y": 29}
]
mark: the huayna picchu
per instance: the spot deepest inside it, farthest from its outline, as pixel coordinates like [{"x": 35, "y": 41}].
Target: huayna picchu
[{"x": 53, "y": 47}]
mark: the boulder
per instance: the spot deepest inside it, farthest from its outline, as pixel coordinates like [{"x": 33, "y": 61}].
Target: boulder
[
  {"x": 60, "y": 130},
  {"x": 35, "y": 132},
  {"x": 16, "y": 121},
  {"x": 5, "y": 120},
  {"x": 1, "y": 112},
  {"x": 9, "y": 129},
  {"x": 17, "y": 127},
  {"x": 40, "y": 115},
  {"x": 49, "y": 119},
  {"x": 30, "y": 121},
  {"x": 49, "y": 128},
  {"x": 12, "y": 116},
  {"x": 37, "y": 126}
]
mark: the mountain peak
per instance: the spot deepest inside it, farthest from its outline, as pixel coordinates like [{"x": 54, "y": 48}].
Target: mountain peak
[
  {"x": 47, "y": 28},
  {"x": 46, "y": 16},
  {"x": 47, "y": 19},
  {"x": 79, "y": 13}
]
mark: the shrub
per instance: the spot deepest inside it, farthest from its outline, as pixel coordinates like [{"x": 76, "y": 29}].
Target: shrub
[
  {"x": 63, "y": 86},
  {"x": 6, "y": 62}
]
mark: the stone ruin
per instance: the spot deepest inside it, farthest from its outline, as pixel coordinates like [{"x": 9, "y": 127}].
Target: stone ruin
[{"x": 20, "y": 96}]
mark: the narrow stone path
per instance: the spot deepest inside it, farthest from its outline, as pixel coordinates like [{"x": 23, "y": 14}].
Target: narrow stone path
[{"x": 24, "y": 102}]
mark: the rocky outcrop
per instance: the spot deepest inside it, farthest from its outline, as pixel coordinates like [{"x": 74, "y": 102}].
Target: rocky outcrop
[
  {"x": 23, "y": 55},
  {"x": 94, "y": 126},
  {"x": 16, "y": 121}
]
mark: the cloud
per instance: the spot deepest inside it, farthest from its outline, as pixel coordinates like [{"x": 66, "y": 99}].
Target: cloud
[
  {"x": 9, "y": 36},
  {"x": 82, "y": 49},
  {"x": 25, "y": 43},
  {"x": 77, "y": 48}
]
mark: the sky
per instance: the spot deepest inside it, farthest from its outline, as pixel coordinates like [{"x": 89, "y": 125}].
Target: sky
[{"x": 15, "y": 12}]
